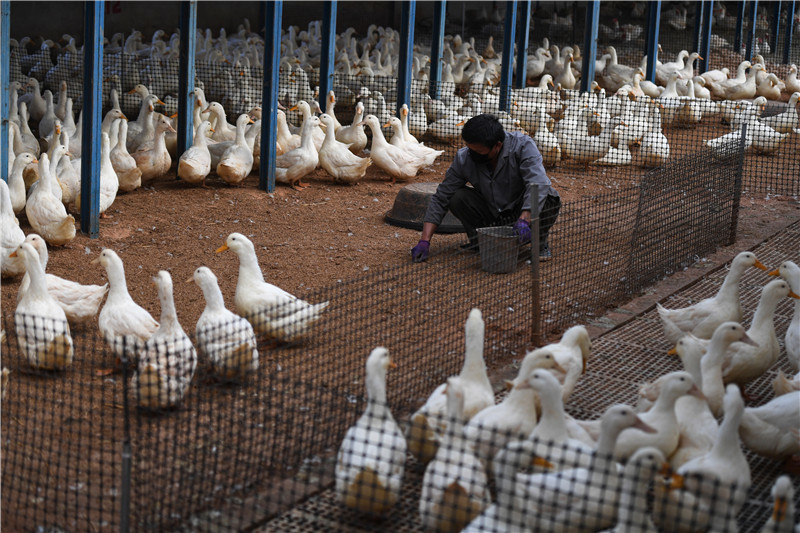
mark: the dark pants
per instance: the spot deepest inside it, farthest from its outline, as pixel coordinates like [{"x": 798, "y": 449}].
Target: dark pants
[{"x": 470, "y": 207}]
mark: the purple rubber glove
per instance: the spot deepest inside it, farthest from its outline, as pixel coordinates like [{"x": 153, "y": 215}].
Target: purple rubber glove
[
  {"x": 419, "y": 253},
  {"x": 523, "y": 230}
]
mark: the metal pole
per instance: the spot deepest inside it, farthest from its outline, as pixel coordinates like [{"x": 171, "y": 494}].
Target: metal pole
[
  {"x": 273, "y": 12},
  {"x": 522, "y": 44},
  {"x": 328, "y": 51},
  {"x": 437, "y": 47},
  {"x": 787, "y": 46},
  {"x": 737, "y": 186},
  {"x": 5, "y": 82},
  {"x": 188, "y": 26},
  {"x": 737, "y": 39},
  {"x": 751, "y": 38},
  {"x": 776, "y": 26},
  {"x": 508, "y": 54},
  {"x": 590, "y": 44},
  {"x": 698, "y": 21},
  {"x": 705, "y": 43},
  {"x": 408, "y": 11},
  {"x": 92, "y": 103},
  {"x": 536, "y": 303},
  {"x": 653, "y": 23}
]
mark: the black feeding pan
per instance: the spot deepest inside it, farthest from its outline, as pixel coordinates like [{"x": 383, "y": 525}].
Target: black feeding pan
[{"x": 410, "y": 205}]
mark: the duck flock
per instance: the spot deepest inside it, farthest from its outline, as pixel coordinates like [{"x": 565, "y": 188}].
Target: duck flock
[
  {"x": 524, "y": 464},
  {"x": 623, "y": 112}
]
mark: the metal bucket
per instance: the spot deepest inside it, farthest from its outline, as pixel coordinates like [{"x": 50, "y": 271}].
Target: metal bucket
[{"x": 499, "y": 249}]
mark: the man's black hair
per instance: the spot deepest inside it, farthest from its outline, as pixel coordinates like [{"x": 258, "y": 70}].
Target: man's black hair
[{"x": 483, "y": 129}]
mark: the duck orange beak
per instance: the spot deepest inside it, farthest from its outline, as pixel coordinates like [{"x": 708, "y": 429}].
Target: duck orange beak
[
  {"x": 759, "y": 264},
  {"x": 222, "y": 248}
]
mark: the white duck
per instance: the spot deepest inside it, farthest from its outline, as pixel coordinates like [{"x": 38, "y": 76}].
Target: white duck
[
  {"x": 571, "y": 353},
  {"x": 428, "y": 423},
  {"x": 152, "y": 158},
  {"x": 661, "y": 417},
  {"x": 787, "y": 121},
  {"x": 579, "y": 499},
  {"x": 42, "y": 330},
  {"x": 654, "y": 148},
  {"x": 79, "y": 302},
  {"x": 317, "y": 135},
  {"x": 455, "y": 486},
  {"x": 293, "y": 166},
  {"x": 790, "y": 272},
  {"x": 236, "y": 162},
  {"x": 591, "y": 148},
  {"x": 773, "y": 429},
  {"x": 416, "y": 149},
  {"x": 371, "y": 459},
  {"x": 710, "y": 488},
  {"x": 226, "y": 340},
  {"x": 124, "y": 324},
  {"x": 702, "y": 318},
  {"x": 513, "y": 418},
  {"x": 109, "y": 182},
  {"x": 46, "y": 214},
  {"x": 271, "y": 310},
  {"x": 546, "y": 142},
  {"x": 749, "y": 362},
  {"x": 396, "y": 162},
  {"x": 337, "y": 159},
  {"x": 168, "y": 361},
  {"x": 128, "y": 174},
  {"x": 782, "y": 384},
  {"x": 287, "y": 141},
  {"x": 783, "y": 508},
  {"x": 354, "y": 134},
  {"x": 195, "y": 163},
  {"x": 16, "y": 183},
  {"x": 551, "y": 437},
  {"x": 11, "y": 236}
]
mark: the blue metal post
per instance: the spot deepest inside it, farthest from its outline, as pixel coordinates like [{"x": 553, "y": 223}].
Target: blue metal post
[
  {"x": 698, "y": 22},
  {"x": 405, "y": 65},
  {"x": 328, "y": 51},
  {"x": 653, "y": 23},
  {"x": 751, "y": 38},
  {"x": 273, "y": 13},
  {"x": 188, "y": 26},
  {"x": 776, "y": 25},
  {"x": 437, "y": 47},
  {"x": 506, "y": 68},
  {"x": 787, "y": 46},
  {"x": 522, "y": 44},
  {"x": 705, "y": 43},
  {"x": 92, "y": 103},
  {"x": 5, "y": 81},
  {"x": 590, "y": 44},
  {"x": 737, "y": 39},
  {"x": 408, "y": 11}
]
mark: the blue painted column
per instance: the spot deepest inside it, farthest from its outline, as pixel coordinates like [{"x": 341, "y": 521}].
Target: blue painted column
[
  {"x": 787, "y": 46},
  {"x": 776, "y": 26},
  {"x": 92, "y": 103},
  {"x": 653, "y": 24},
  {"x": 698, "y": 24},
  {"x": 751, "y": 38},
  {"x": 188, "y": 28},
  {"x": 408, "y": 11},
  {"x": 737, "y": 39},
  {"x": 5, "y": 81},
  {"x": 328, "y": 56},
  {"x": 506, "y": 69},
  {"x": 522, "y": 45},
  {"x": 273, "y": 13},
  {"x": 437, "y": 48},
  {"x": 590, "y": 44},
  {"x": 705, "y": 42}
]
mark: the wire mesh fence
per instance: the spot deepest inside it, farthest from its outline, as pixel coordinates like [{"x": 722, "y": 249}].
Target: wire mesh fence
[{"x": 235, "y": 443}]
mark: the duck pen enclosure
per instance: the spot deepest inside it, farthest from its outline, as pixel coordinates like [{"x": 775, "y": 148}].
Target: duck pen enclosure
[{"x": 169, "y": 439}]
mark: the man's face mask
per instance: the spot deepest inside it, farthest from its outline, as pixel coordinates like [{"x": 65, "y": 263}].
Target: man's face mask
[{"x": 483, "y": 158}]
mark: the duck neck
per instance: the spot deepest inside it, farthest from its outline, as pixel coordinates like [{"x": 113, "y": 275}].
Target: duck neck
[
  {"x": 729, "y": 290},
  {"x": 248, "y": 266},
  {"x": 169, "y": 317},
  {"x": 553, "y": 420},
  {"x": 474, "y": 366},
  {"x": 307, "y": 135},
  {"x": 632, "y": 515},
  {"x": 765, "y": 311},
  {"x": 117, "y": 285},
  {"x": 240, "y": 134},
  {"x": 213, "y": 296},
  {"x": 727, "y": 443}
]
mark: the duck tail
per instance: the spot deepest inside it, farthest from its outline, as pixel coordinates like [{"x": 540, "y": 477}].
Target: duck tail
[{"x": 149, "y": 388}]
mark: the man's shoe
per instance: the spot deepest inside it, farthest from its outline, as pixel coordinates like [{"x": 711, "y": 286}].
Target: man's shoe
[{"x": 544, "y": 253}]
